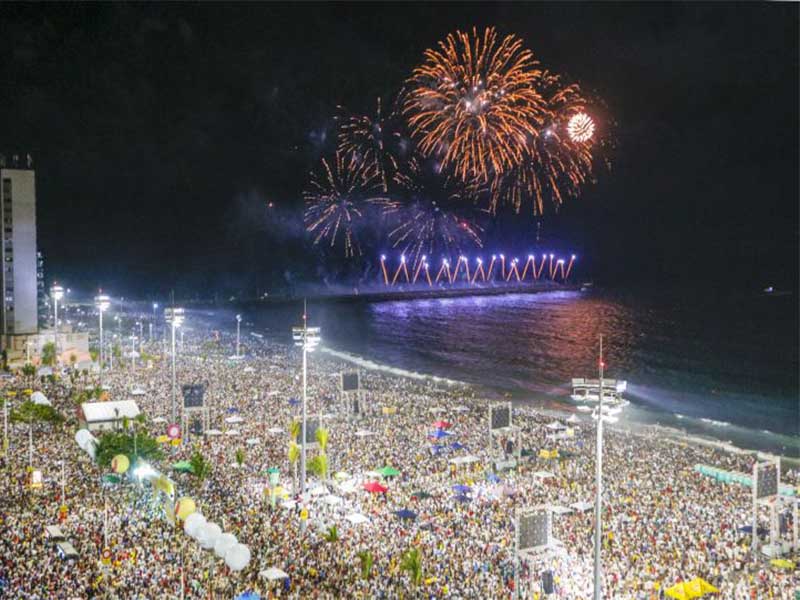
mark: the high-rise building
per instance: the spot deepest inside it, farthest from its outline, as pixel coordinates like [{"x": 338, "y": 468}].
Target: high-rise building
[
  {"x": 41, "y": 293},
  {"x": 19, "y": 308}
]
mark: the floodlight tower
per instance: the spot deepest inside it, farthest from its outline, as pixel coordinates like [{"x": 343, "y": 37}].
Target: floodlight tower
[
  {"x": 174, "y": 317},
  {"x": 102, "y": 302},
  {"x": 598, "y": 503},
  {"x": 57, "y": 293},
  {"x": 308, "y": 338}
]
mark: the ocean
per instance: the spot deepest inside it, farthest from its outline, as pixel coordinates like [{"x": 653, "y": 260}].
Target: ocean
[{"x": 709, "y": 362}]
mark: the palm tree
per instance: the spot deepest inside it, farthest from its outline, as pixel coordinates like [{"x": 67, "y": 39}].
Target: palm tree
[
  {"x": 333, "y": 534},
  {"x": 49, "y": 354},
  {"x": 365, "y": 556},
  {"x": 319, "y": 466},
  {"x": 294, "y": 456},
  {"x": 240, "y": 457},
  {"x": 200, "y": 466},
  {"x": 412, "y": 563},
  {"x": 322, "y": 438},
  {"x": 294, "y": 430}
]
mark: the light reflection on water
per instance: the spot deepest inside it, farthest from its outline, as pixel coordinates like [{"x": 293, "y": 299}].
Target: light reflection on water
[{"x": 695, "y": 353}]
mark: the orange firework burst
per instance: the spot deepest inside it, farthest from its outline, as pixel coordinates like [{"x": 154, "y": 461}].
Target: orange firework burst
[
  {"x": 555, "y": 164},
  {"x": 475, "y": 103},
  {"x": 338, "y": 198}
]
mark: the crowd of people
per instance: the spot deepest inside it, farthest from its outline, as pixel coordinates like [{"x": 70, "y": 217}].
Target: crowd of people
[{"x": 663, "y": 522}]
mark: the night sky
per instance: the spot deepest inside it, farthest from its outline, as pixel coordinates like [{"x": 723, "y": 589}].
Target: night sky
[{"x": 161, "y": 132}]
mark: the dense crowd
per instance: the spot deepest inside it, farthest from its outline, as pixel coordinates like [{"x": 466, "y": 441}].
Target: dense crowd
[{"x": 663, "y": 522}]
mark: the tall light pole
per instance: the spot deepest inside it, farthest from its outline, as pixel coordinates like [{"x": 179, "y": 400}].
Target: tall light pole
[
  {"x": 598, "y": 503},
  {"x": 308, "y": 338},
  {"x": 133, "y": 352},
  {"x": 238, "y": 324},
  {"x": 101, "y": 302},
  {"x": 57, "y": 293},
  {"x": 174, "y": 316}
]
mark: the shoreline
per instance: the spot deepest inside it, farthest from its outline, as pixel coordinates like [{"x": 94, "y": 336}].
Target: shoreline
[{"x": 558, "y": 409}]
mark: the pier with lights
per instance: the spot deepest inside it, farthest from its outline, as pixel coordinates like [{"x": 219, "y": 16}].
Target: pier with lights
[{"x": 464, "y": 272}]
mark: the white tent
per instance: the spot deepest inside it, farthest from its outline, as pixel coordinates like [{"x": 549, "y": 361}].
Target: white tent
[
  {"x": 364, "y": 433},
  {"x": 464, "y": 460},
  {"x": 212, "y": 432},
  {"x": 543, "y": 475},
  {"x": 573, "y": 419},
  {"x": 332, "y": 500},
  {"x": 232, "y": 432},
  {"x": 44, "y": 371},
  {"x": 320, "y": 490},
  {"x": 252, "y": 441},
  {"x": 159, "y": 420},
  {"x": 275, "y": 430},
  {"x": 348, "y": 487},
  {"x": 234, "y": 419},
  {"x": 582, "y": 506},
  {"x": 555, "y": 426},
  {"x": 39, "y": 398},
  {"x": 105, "y": 415},
  {"x": 357, "y": 518},
  {"x": 273, "y": 574},
  {"x": 137, "y": 391},
  {"x": 560, "y": 510}
]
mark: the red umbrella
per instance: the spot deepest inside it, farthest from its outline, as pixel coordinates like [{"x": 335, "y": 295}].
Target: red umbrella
[
  {"x": 442, "y": 425},
  {"x": 375, "y": 487}
]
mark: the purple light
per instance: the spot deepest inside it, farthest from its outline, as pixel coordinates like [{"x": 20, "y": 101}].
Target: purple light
[
  {"x": 561, "y": 261},
  {"x": 544, "y": 255},
  {"x": 551, "y": 256},
  {"x": 494, "y": 256},
  {"x": 424, "y": 258},
  {"x": 402, "y": 258},
  {"x": 502, "y": 256},
  {"x": 530, "y": 256},
  {"x": 574, "y": 257},
  {"x": 383, "y": 257},
  {"x": 479, "y": 261}
]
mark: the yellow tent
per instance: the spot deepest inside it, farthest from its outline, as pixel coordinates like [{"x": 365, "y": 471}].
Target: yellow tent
[
  {"x": 687, "y": 590},
  {"x": 782, "y": 563}
]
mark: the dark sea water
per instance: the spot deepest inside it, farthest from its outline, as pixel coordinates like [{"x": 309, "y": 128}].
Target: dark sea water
[{"x": 710, "y": 362}]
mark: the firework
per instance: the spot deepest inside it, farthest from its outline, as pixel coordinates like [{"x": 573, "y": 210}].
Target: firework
[
  {"x": 475, "y": 103},
  {"x": 438, "y": 219},
  {"x": 374, "y": 140},
  {"x": 554, "y": 165},
  {"x": 338, "y": 199},
  {"x": 580, "y": 127}
]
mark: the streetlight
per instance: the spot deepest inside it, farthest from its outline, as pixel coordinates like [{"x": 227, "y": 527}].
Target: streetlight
[
  {"x": 238, "y": 324},
  {"x": 133, "y": 352},
  {"x": 101, "y": 302},
  {"x": 155, "y": 308},
  {"x": 57, "y": 293},
  {"x": 173, "y": 316},
  {"x": 308, "y": 338}
]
